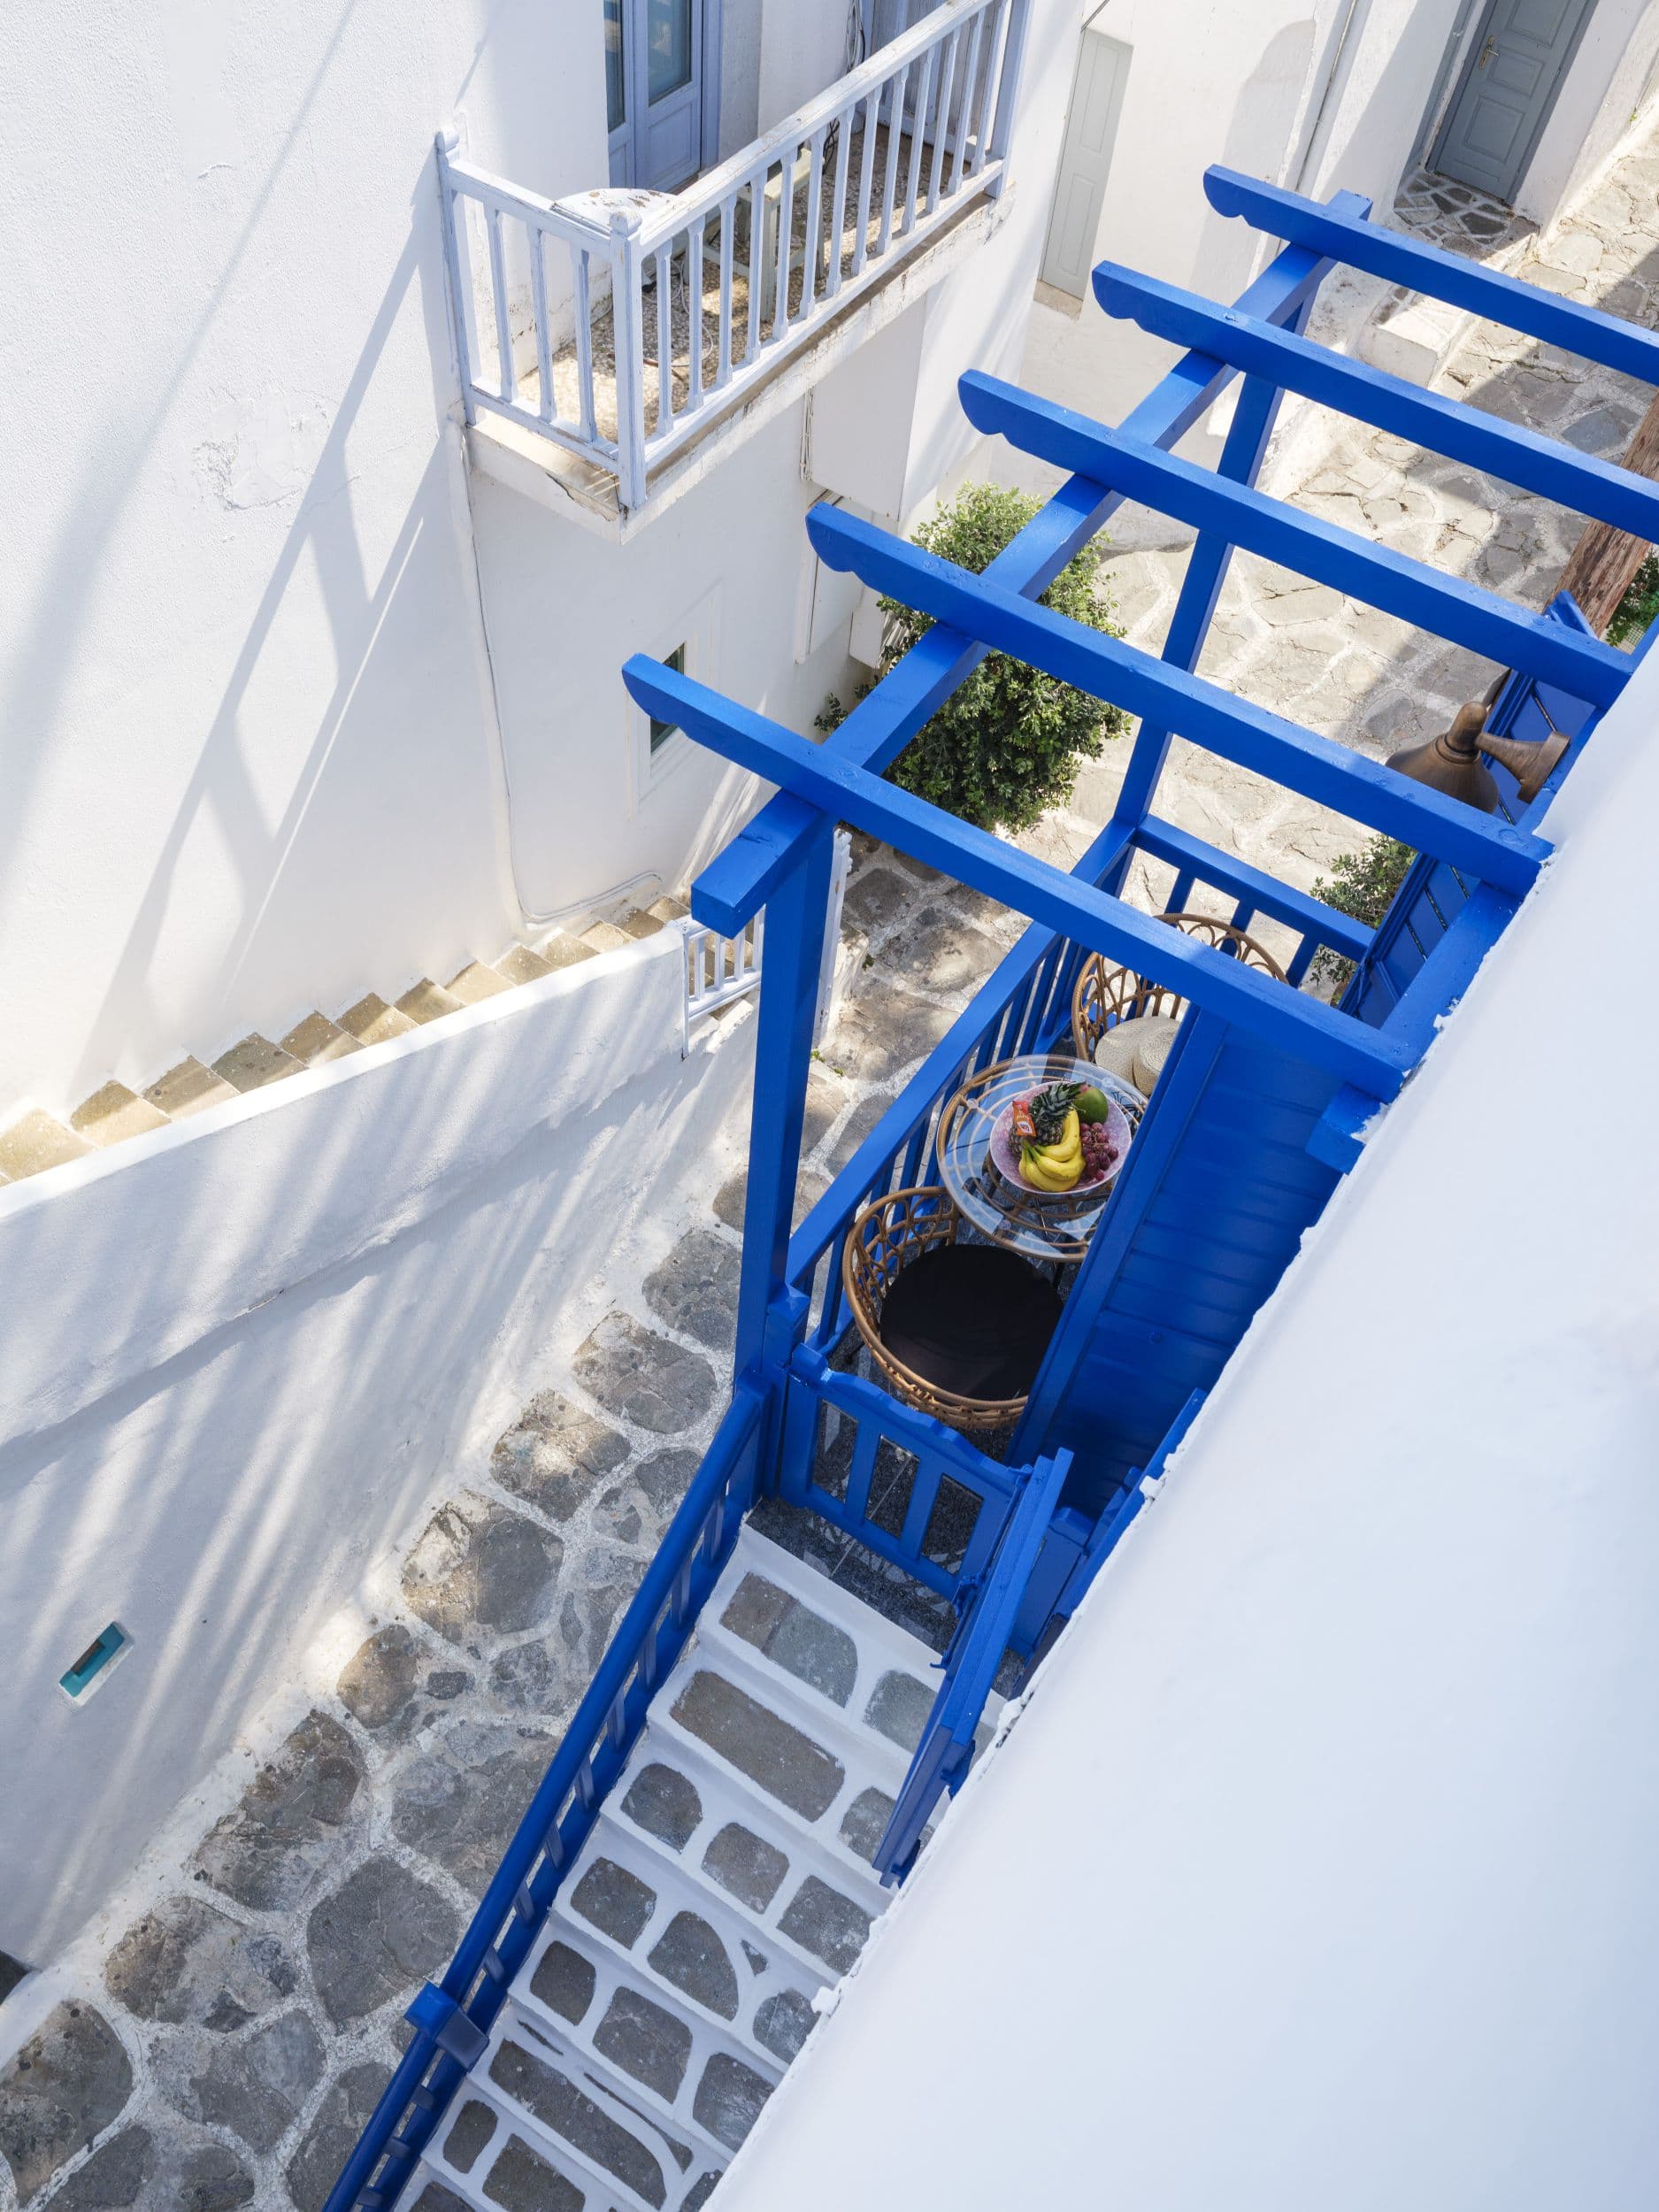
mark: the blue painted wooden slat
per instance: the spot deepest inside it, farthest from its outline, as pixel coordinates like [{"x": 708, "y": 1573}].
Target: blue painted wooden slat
[
  {"x": 738, "y": 881},
  {"x": 1095, "y": 918},
  {"x": 1354, "y": 387},
  {"x": 1401, "y": 257},
  {"x": 1444, "y": 892},
  {"x": 1448, "y": 606},
  {"x": 1210, "y": 1210},
  {"x": 1402, "y": 957},
  {"x": 1208, "y": 715},
  {"x": 1280, "y": 902},
  {"x": 1243, "y": 450}
]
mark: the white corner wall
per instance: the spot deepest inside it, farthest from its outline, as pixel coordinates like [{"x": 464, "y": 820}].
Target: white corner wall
[
  {"x": 1318, "y": 1872},
  {"x": 1206, "y": 82},
  {"x": 259, "y": 1341},
  {"x": 248, "y": 764},
  {"x": 725, "y": 567}
]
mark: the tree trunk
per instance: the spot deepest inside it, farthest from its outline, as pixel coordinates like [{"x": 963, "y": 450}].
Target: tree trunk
[{"x": 1605, "y": 560}]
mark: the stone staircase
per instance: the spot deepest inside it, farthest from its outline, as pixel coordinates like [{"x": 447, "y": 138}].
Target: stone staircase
[
  {"x": 725, "y": 1884},
  {"x": 37, "y": 1140}
]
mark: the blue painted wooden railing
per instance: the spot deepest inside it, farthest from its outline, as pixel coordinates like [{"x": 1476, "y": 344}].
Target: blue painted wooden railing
[
  {"x": 987, "y": 1630},
  {"x": 452, "y": 2017}
]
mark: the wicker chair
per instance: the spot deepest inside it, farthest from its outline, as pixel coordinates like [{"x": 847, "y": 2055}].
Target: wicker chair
[
  {"x": 1106, "y": 996},
  {"x": 888, "y": 1237}
]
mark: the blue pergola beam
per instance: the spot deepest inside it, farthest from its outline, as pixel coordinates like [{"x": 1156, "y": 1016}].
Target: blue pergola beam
[
  {"x": 1446, "y": 605},
  {"x": 1400, "y": 258},
  {"x": 1462, "y": 433},
  {"x": 737, "y": 882},
  {"x": 1280, "y": 902},
  {"x": 830, "y": 785},
  {"x": 1236, "y": 729}
]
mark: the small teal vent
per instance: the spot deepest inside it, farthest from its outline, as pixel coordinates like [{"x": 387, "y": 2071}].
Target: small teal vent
[{"x": 95, "y": 1662}]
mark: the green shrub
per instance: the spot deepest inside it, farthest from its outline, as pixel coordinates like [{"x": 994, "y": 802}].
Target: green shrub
[
  {"x": 1007, "y": 745},
  {"x": 1361, "y": 884},
  {"x": 1635, "y": 611}
]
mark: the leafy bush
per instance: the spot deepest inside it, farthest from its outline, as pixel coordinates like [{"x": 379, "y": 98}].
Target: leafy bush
[
  {"x": 1361, "y": 884},
  {"x": 1635, "y": 611},
  {"x": 1007, "y": 743}
]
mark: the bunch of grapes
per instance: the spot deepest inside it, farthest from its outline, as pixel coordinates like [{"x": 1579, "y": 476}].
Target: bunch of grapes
[{"x": 1099, "y": 1151}]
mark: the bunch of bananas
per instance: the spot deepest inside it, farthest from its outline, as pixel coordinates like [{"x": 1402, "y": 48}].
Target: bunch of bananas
[{"x": 1056, "y": 1167}]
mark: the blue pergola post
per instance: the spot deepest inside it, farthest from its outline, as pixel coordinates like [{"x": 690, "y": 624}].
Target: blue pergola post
[{"x": 769, "y": 1315}]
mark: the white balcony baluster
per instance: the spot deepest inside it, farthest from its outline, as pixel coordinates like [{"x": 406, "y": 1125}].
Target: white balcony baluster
[{"x": 934, "y": 105}]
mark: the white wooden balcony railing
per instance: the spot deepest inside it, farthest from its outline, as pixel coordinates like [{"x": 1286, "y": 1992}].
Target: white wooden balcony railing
[{"x": 617, "y": 325}]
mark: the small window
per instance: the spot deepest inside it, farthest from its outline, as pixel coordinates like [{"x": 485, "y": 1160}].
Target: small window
[
  {"x": 661, "y": 732},
  {"x": 659, "y": 749}
]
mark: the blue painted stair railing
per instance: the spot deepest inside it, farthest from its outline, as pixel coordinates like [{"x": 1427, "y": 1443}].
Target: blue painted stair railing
[
  {"x": 452, "y": 2017},
  {"x": 1021, "y": 1550},
  {"x": 985, "y": 1633}
]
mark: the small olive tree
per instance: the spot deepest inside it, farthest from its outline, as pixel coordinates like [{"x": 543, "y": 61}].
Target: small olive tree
[
  {"x": 1361, "y": 884},
  {"x": 1007, "y": 744}
]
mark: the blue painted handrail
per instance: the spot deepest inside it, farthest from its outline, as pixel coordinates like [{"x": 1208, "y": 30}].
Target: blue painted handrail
[
  {"x": 452, "y": 2018},
  {"x": 946, "y": 1749}
]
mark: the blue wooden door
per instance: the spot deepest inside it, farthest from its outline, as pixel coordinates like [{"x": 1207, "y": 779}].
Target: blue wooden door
[
  {"x": 1520, "y": 57},
  {"x": 654, "y": 91}
]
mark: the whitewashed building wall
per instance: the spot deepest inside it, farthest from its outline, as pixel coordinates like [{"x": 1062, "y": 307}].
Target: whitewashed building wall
[{"x": 254, "y": 764}]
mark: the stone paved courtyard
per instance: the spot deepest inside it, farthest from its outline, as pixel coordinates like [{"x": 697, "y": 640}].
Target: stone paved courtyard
[{"x": 224, "y": 2047}]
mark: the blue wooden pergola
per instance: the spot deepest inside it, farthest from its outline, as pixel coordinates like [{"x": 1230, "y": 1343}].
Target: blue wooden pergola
[
  {"x": 1298, "y": 1077},
  {"x": 1263, "y": 1104}
]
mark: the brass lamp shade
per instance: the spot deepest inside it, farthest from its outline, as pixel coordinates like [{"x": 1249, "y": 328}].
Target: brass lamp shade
[{"x": 1452, "y": 763}]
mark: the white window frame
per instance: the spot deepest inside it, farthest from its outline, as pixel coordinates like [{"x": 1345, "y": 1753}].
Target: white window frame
[{"x": 698, "y": 630}]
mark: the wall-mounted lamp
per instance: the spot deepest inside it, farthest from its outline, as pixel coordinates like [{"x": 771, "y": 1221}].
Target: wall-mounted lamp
[{"x": 1452, "y": 763}]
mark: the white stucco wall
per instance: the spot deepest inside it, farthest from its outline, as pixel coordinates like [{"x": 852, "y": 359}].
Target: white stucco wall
[
  {"x": 981, "y": 319},
  {"x": 259, "y": 1341},
  {"x": 1314, "y": 94},
  {"x": 1206, "y": 82},
  {"x": 1318, "y": 1872},
  {"x": 1608, "y": 84},
  {"x": 724, "y": 565},
  {"x": 248, "y": 762},
  {"x": 253, "y": 765}
]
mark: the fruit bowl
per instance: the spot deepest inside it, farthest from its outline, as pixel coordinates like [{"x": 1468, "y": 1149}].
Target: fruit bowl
[{"x": 1005, "y": 1153}]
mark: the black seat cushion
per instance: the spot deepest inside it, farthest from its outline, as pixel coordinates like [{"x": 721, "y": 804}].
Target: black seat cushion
[{"x": 971, "y": 1320}]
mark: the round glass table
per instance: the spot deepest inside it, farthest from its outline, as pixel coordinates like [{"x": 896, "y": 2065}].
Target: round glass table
[{"x": 1001, "y": 1208}]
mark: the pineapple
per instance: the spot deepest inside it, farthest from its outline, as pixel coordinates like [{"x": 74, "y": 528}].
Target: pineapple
[{"x": 1049, "y": 1109}]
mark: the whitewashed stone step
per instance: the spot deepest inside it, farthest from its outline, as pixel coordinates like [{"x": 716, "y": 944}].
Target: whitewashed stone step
[
  {"x": 114, "y": 1113},
  {"x": 776, "y": 1837},
  {"x": 36, "y": 1142},
  {"x": 533, "y": 2131},
  {"x": 631, "y": 1913},
  {"x": 715, "y": 1899}
]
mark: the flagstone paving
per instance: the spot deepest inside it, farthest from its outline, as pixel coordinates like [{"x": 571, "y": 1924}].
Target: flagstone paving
[
  {"x": 226, "y": 2047},
  {"x": 1345, "y": 669}
]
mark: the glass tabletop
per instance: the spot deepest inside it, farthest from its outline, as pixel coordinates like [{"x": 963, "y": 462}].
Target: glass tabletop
[{"x": 1004, "y": 1210}]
